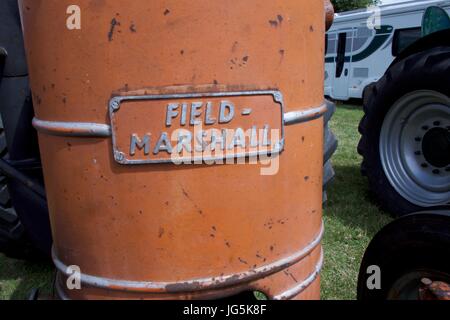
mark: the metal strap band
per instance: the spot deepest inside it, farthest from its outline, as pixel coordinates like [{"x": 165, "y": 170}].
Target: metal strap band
[
  {"x": 299, "y": 288},
  {"x": 294, "y": 117},
  {"x": 194, "y": 284},
  {"x": 88, "y": 129},
  {"x": 72, "y": 129},
  {"x": 289, "y": 294}
]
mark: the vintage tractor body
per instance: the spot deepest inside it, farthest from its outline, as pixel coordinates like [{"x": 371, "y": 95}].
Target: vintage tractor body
[{"x": 184, "y": 145}]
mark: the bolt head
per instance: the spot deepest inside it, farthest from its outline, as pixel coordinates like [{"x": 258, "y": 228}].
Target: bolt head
[
  {"x": 426, "y": 281},
  {"x": 114, "y": 104},
  {"x": 119, "y": 156}
]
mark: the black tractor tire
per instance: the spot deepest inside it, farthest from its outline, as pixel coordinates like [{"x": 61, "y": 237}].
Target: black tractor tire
[
  {"x": 426, "y": 70},
  {"x": 330, "y": 146},
  {"x": 13, "y": 239},
  {"x": 408, "y": 249},
  {"x": 24, "y": 221}
]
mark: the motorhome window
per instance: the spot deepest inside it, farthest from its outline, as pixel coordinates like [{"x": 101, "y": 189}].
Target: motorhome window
[
  {"x": 403, "y": 38},
  {"x": 363, "y": 35},
  {"x": 340, "y": 59},
  {"x": 348, "y": 44},
  {"x": 364, "y": 32},
  {"x": 331, "y": 47},
  {"x": 331, "y": 43}
]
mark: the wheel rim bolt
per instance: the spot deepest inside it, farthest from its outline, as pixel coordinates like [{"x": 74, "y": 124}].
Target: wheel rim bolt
[
  {"x": 425, "y": 127},
  {"x": 436, "y": 123},
  {"x": 436, "y": 171},
  {"x": 417, "y": 153}
]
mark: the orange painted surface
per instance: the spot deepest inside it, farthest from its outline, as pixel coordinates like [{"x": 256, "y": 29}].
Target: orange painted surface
[{"x": 161, "y": 222}]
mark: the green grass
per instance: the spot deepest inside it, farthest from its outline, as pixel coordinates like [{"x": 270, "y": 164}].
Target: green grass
[
  {"x": 17, "y": 278},
  {"x": 351, "y": 220}
]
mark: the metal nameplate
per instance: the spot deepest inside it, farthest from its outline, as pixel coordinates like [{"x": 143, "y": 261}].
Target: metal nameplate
[{"x": 183, "y": 128}]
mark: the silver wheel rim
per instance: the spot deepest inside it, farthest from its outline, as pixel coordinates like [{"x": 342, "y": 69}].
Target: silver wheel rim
[{"x": 407, "y": 166}]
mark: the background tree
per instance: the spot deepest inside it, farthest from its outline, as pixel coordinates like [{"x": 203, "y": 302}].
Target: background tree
[{"x": 345, "y": 5}]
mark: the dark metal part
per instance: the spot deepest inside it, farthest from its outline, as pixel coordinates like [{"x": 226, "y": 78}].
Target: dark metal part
[
  {"x": 3, "y": 55},
  {"x": 33, "y": 294},
  {"x": 11, "y": 172},
  {"x": 436, "y": 147},
  {"x": 11, "y": 39},
  {"x": 16, "y": 111}
]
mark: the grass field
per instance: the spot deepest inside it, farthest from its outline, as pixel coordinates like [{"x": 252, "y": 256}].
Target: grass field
[{"x": 351, "y": 220}]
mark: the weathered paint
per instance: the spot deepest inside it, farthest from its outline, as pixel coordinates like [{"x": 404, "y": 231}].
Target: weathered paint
[{"x": 163, "y": 231}]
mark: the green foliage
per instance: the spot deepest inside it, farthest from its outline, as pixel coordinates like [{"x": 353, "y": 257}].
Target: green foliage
[{"x": 345, "y": 5}]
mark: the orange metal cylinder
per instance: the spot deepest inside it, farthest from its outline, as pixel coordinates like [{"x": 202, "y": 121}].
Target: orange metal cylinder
[{"x": 158, "y": 230}]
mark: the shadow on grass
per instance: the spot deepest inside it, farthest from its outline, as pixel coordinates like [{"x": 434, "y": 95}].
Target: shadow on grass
[
  {"x": 349, "y": 106},
  {"x": 18, "y": 278},
  {"x": 351, "y": 202},
  {"x": 352, "y": 103}
]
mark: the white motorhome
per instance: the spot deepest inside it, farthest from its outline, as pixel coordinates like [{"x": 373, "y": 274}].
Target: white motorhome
[{"x": 363, "y": 43}]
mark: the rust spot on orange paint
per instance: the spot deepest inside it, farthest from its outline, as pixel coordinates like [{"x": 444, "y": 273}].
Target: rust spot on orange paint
[
  {"x": 280, "y": 18},
  {"x": 273, "y": 23},
  {"x": 114, "y": 23}
]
